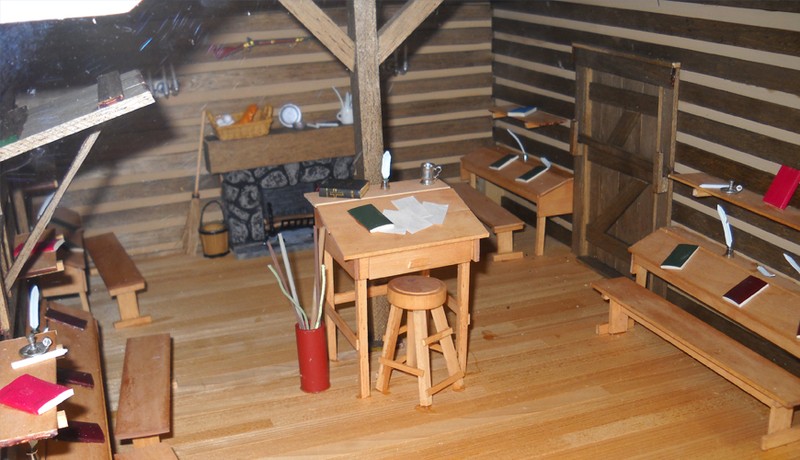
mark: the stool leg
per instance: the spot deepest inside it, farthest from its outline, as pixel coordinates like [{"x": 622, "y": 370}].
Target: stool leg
[
  {"x": 420, "y": 328},
  {"x": 448, "y": 348},
  {"x": 389, "y": 347}
]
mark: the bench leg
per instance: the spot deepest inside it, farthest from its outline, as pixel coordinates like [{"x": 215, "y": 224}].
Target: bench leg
[
  {"x": 129, "y": 311},
  {"x": 505, "y": 248},
  {"x": 540, "y": 235},
  {"x": 618, "y": 320},
  {"x": 780, "y": 431}
]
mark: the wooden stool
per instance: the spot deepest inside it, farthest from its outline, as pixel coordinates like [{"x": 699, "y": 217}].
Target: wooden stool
[{"x": 418, "y": 295}]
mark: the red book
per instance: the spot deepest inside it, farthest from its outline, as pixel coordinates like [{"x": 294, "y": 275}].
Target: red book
[
  {"x": 782, "y": 188},
  {"x": 33, "y": 395},
  {"x": 745, "y": 290}
]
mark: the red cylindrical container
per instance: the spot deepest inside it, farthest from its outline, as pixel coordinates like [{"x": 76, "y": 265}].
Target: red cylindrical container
[{"x": 312, "y": 354}]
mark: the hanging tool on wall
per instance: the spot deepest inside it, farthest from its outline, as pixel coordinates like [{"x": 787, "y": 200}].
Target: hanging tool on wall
[{"x": 221, "y": 51}]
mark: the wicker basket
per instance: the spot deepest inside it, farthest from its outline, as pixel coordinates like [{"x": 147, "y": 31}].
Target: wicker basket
[{"x": 260, "y": 125}]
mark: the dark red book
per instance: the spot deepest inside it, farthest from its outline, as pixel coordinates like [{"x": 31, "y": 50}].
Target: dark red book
[
  {"x": 81, "y": 432},
  {"x": 33, "y": 395},
  {"x": 745, "y": 290},
  {"x": 782, "y": 188}
]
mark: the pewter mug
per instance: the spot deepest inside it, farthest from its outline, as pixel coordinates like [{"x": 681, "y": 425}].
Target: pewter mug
[{"x": 430, "y": 172}]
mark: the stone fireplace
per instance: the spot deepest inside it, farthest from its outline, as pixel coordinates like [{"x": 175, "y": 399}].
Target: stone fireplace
[{"x": 257, "y": 200}]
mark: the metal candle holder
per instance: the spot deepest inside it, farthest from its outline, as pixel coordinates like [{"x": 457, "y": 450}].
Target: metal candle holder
[
  {"x": 34, "y": 348},
  {"x": 729, "y": 251}
]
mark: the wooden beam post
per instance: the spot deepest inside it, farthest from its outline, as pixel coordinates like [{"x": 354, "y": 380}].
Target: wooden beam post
[{"x": 365, "y": 83}]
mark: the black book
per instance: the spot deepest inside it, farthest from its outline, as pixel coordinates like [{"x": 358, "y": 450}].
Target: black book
[{"x": 344, "y": 188}]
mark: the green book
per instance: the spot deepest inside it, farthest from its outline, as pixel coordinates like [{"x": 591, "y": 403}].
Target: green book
[
  {"x": 504, "y": 161},
  {"x": 371, "y": 218},
  {"x": 344, "y": 188},
  {"x": 532, "y": 174},
  {"x": 679, "y": 256}
]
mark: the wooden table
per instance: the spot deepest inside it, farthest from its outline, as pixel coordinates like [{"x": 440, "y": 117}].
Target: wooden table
[
  {"x": 551, "y": 192},
  {"x": 371, "y": 256},
  {"x": 772, "y": 314}
]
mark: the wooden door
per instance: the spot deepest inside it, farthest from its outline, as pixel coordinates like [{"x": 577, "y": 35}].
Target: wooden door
[{"x": 626, "y": 110}]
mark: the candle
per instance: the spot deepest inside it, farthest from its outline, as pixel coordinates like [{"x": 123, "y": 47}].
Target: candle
[{"x": 33, "y": 312}]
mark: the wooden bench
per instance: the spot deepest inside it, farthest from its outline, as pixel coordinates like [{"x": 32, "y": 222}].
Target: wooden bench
[
  {"x": 120, "y": 275},
  {"x": 499, "y": 220},
  {"x": 87, "y": 405},
  {"x": 145, "y": 394},
  {"x": 758, "y": 376},
  {"x": 158, "y": 451}
]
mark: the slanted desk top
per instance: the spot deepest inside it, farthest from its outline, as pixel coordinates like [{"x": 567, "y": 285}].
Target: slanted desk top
[
  {"x": 772, "y": 314},
  {"x": 16, "y": 426},
  {"x": 552, "y": 192}
]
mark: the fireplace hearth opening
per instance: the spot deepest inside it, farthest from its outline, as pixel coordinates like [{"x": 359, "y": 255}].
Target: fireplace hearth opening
[{"x": 258, "y": 203}]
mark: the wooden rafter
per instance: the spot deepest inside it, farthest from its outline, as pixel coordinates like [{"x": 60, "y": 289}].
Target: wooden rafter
[
  {"x": 400, "y": 26},
  {"x": 362, "y": 50},
  {"x": 323, "y": 27}
]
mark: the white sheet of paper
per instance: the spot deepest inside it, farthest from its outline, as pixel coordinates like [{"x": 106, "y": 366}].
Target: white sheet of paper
[
  {"x": 437, "y": 212},
  {"x": 407, "y": 220},
  {"x": 412, "y": 206}
]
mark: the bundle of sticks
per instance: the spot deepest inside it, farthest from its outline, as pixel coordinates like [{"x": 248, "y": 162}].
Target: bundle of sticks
[{"x": 285, "y": 278}]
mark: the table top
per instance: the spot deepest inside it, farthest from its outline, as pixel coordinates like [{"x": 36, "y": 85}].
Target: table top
[
  {"x": 17, "y": 426},
  {"x": 478, "y": 161},
  {"x": 773, "y": 313},
  {"x": 356, "y": 242}
]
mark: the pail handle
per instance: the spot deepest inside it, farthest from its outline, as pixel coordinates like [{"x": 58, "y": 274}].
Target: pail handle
[{"x": 203, "y": 212}]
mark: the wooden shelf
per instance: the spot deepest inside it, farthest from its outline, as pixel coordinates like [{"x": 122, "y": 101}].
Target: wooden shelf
[
  {"x": 744, "y": 199},
  {"x": 534, "y": 120},
  {"x": 278, "y": 147}
]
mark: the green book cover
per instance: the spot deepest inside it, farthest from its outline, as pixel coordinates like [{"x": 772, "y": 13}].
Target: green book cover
[
  {"x": 532, "y": 174},
  {"x": 679, "y": 256},
  {"x": 371, "y": 218},
  {"x": 503, "y": 162}
]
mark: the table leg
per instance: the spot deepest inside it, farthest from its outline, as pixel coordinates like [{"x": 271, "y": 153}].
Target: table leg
[
  {"x": 541, "y": 221},
  {"x": 330, "y": 290},
  {"x": 363, "y": 337},
  {"x": 462, "y": 296}
]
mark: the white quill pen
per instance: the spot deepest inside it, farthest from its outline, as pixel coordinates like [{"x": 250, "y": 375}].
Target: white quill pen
[
  {"x": 386, "y": 165},
  {"x": 546, "y": 162},
  {"x": 726, "y": 226},
  {"x": 33, "y": 308},
  {"x": 792, "y": 262}
]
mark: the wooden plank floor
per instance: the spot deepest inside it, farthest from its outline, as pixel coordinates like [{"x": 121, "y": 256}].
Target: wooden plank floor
[{"x": 540, "y": 383}]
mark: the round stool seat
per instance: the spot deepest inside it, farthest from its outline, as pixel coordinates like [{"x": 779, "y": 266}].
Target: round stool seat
[{"x": 416, "y": 292}]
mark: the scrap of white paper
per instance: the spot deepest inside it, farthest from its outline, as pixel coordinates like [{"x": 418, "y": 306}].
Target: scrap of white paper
[
  {"x": 404, "y": 219},
  {"x": 411, "y": 205},
  {"x": 412, "y": 216},
  {"x": 436, "y": 211}
]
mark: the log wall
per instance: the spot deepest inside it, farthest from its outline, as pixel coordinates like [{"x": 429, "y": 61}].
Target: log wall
[
  {"x": 138, "y": 180},
  {"x": 739, "y": 107}
]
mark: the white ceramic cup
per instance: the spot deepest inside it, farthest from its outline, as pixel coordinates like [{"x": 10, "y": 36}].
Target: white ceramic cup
[{"x": 345, "y": 116}]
